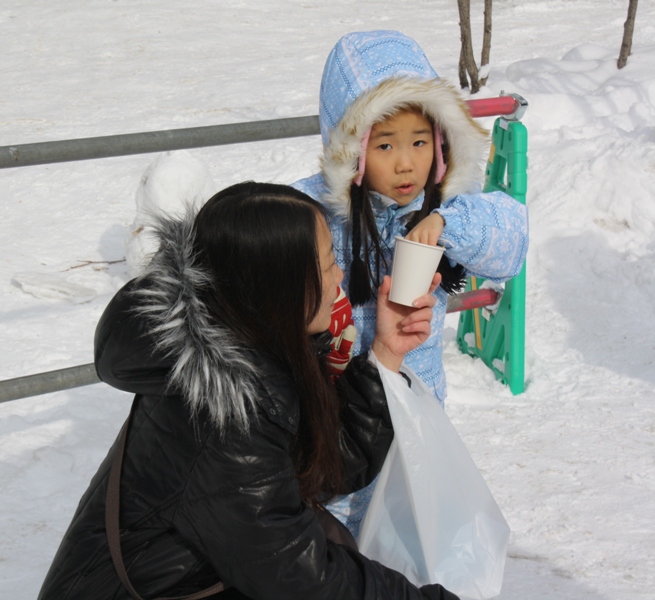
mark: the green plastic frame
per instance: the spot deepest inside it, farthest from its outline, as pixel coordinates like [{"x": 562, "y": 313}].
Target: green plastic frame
[{"x": 499, "y": 338}]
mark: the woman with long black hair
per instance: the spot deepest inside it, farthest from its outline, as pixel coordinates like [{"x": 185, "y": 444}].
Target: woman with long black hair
[{"x": 237, "y": 434}]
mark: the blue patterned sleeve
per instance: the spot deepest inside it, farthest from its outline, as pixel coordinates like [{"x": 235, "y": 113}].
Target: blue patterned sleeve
[
  {"x": 313, "y": 186},
  {"x": 486, "y": 233}
]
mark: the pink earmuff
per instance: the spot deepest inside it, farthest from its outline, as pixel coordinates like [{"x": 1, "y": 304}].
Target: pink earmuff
[{"x": 438, "y": 152}]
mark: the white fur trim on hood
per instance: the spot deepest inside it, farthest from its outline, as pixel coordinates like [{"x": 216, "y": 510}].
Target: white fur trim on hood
[{"x": 467, "y": 140}]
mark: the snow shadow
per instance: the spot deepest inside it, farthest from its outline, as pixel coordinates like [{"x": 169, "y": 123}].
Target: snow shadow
[
  {"x": 607, "y": 300},
  {"x": 531, "y": 576},
  {"x": 52, "y": 445},
  {"x": 112, "y": 243}
]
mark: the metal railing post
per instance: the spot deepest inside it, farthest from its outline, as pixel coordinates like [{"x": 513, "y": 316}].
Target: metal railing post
[
  {"x": 42, "y": 153},
  {"x": 44, "y": 383}
]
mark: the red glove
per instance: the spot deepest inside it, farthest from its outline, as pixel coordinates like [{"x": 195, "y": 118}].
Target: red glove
[{"x": 344, "y": 335}]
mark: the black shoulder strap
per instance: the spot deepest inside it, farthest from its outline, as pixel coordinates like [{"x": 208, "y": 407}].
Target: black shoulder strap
[{"x": 112, "y": 515}]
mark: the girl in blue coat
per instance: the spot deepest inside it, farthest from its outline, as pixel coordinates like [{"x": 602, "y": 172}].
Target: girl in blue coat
[{"x": 402, "y": 157}]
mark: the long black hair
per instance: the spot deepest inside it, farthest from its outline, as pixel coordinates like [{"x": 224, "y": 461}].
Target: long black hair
[
  {"x": 258, "y": 242},
  {"x": 366, "y": 242}
]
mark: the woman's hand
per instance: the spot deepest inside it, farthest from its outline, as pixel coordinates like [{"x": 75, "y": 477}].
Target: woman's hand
[
  {"x": 399, "y": 328},
  {"x": 428, "y": 231}
]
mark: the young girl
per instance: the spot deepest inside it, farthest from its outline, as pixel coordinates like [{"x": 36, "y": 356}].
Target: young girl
[
  {"x": 236, "y": 431},
  {"x": 401, "y": 158}
]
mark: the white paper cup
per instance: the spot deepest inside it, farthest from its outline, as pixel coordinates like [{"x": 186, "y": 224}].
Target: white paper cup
[{"x": 413, "y": 267}]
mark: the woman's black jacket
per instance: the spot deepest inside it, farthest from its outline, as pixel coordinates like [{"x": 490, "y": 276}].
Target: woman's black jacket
[{"x": 202, "y": 499}]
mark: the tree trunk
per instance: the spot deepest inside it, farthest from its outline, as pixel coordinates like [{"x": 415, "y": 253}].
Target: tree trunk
[
  {"x": 486, "y": 40},
  {"x": 463, "y": 79},
  {"x": 466, "y": 55},
  {"x": 628, "y": 28}
]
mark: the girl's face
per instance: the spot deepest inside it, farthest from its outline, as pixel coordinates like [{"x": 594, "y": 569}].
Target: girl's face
[
  {"x": 331, "y": 276},
  {"x": 399, "y": 155}
]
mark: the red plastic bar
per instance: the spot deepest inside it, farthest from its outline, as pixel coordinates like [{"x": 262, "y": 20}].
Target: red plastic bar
[
  {"x": 490, "y": 107},
  {"x": 470, "y": 300}
]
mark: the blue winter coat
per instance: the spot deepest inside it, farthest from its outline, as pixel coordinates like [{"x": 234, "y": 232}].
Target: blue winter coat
[{"x": 372, "y": 74}]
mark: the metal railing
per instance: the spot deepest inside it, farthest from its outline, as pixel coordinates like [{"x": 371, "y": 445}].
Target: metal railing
[
  {"x": 72, "y": 377},
  {"x": 509, "y": 106},
  {"x": 42, "y": 153},
  {"x": 45, "y": 383}
]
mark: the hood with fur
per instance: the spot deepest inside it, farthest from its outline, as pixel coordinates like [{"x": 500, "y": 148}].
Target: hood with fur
[
  {"x": 368, "y": 76},
  {"x": 210, "y": 368}
]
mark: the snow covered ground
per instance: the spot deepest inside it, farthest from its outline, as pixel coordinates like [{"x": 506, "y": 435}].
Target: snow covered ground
[{"x": 571, "y": 461}]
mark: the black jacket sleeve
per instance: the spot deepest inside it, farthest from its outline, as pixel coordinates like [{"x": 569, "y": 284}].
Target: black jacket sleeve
[{"x": 367, "y": 431}]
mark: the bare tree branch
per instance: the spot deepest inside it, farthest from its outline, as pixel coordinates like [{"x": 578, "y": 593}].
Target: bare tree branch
[
  {"x": 463, "y": 78},
  {"x": 464, "y": 7},
  {"x": 486, "y": 40},
  {"x": 628, "y": 29}
]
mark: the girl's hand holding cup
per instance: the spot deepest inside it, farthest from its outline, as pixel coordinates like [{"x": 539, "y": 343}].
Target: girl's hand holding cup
[{"x": 428, "y": 231}]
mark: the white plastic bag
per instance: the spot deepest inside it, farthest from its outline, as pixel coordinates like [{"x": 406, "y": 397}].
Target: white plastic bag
[{"x": 432, "y": 516}]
